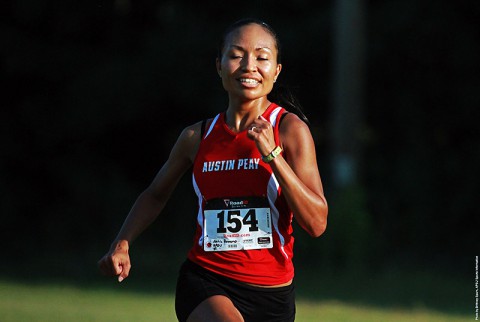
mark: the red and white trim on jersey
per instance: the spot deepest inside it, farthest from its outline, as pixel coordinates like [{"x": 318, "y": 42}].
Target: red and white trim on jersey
[
  {"x": 273, "y": 192},
  {"x": 228, "y": 166}
]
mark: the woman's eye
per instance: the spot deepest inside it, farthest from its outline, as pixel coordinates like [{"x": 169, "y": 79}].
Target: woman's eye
[{"x": 262, "y": 58}]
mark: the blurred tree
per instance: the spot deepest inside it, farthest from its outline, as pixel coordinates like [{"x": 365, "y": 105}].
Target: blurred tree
[
  {"x": 348, "y": 98},
  {"x": 347, "y": 242}
]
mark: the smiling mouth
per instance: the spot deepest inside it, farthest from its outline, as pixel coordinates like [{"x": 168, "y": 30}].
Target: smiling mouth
[{"x": 249, "y": 81}]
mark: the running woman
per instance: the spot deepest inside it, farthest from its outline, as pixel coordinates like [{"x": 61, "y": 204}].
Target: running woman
[{"x": 254, "y": 170}]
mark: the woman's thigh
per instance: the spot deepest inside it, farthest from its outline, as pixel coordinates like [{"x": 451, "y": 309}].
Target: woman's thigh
[{"x": 216, "y": 308}]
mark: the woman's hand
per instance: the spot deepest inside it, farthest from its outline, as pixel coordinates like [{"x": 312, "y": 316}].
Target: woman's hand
[
  {"x": 116, "y": 262},
  {"x": 261, "y": 131}
]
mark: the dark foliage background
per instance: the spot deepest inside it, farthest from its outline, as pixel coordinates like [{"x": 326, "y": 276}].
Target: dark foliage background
[{"x": 95, "y": 93}]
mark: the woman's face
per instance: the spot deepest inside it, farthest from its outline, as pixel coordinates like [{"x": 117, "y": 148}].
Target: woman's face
[{"x": 248, "y": 65}]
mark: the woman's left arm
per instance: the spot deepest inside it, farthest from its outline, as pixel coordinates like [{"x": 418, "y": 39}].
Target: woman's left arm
[{"x": 297, "y": 173}]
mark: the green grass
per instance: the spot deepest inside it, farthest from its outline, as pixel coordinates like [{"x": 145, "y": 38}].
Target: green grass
[
  {"x": 333, "y": 311},
  {"x": 63, "y": 302}
]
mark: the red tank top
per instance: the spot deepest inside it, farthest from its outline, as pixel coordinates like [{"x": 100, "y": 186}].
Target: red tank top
[{"x": 243, "y": 226}]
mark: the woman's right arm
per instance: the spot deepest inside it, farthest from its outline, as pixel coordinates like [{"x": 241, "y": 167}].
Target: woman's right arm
[{"x": 150, "y": 203}]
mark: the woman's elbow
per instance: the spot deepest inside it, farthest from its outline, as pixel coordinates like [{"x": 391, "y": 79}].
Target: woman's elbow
[{"x": 318, "y": 228}]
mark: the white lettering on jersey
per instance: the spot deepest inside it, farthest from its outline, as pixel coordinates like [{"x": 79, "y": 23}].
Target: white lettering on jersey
[
  {"x": 227, "y": 165},
  {"x": 248, "y": 164}
]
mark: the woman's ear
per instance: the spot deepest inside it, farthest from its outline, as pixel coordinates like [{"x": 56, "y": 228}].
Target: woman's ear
[{"x": 279, "y": 69}]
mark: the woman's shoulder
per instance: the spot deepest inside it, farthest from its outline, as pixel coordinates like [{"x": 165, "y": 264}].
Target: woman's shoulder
[
  {"x": 290, "y": 123},
  {"x": 294, "y": 132},
  {"x": 191, "y": 135},
  {"x": 197, "y": 129}
]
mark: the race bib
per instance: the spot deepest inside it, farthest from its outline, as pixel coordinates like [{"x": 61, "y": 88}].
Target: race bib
[{"x": 237, "y": 223}]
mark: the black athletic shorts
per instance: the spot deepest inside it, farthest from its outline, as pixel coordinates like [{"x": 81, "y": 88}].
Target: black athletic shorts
[{"x": 256, "y": 304}]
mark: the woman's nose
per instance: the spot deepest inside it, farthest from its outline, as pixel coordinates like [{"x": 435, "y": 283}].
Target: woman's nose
[{"x": 249, "y": 64}]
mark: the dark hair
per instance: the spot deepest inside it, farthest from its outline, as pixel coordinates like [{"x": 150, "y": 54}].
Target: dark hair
[
  {"x": 280, "y": 94},
  {"x": 283, "y": 96}
]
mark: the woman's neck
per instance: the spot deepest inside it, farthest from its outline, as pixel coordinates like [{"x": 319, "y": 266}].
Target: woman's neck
[{"x": 240, "y": 115}]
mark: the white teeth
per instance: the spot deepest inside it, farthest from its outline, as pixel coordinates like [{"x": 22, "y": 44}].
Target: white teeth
[{"x": 249, "y": 80}]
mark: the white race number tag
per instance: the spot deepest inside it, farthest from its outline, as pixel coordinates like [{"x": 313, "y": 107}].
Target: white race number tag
[{"x": 237, "y": 223}]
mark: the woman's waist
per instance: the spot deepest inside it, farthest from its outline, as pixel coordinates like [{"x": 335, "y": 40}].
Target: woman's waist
[{"x": 258, "y": 268}]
